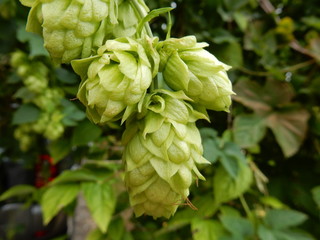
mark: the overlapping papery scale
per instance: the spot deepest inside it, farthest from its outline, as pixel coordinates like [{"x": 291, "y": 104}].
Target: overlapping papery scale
[
  {"x": 162, "y": 148},
  {"x": 74, "y": 29},
  {"x": 116, "y": 79},
  {"x": 187, "y": 66}
]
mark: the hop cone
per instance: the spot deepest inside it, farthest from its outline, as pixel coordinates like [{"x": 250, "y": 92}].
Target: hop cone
[
  {"x": 162, "y": 147},
  {"x": 187, "y": 66},
  {"x": 76, "y": 28},
  {"x": 117, "y": 78}
]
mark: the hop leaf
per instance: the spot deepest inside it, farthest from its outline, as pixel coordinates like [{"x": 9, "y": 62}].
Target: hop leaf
[
  {"x": 187, "y": 66},
  {"x": 162, "y": 148}
]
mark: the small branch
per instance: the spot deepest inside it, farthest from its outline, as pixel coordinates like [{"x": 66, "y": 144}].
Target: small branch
[
  {"x": 284, "y": 70},
  {"x": 136, "y": 6},
  {"x": 267, "y": 6}
]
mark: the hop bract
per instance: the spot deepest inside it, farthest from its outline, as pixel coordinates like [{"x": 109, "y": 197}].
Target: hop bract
[
  {"x": 162, "y": 148},
  {"x": 74, "y": 29},
  {"x": 117, "y": 78},
  {"x": 187, "y": 66}
]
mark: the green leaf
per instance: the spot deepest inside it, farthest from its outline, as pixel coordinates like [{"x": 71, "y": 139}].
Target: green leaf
[
  {"x": 286, "y": 234},
  {"x": 265, "y": 233},
  {"x": 221, "y": 35},
  {"x": 290, "y": 128},
  {"x": 26, "y": 113},
  {"x": 84, "y": 133},
  {"x": 151, "y": 15},
  {"x": 230, "y": 158},
  {"x": 57, "y": 197},
  {"x": 206, "y": 229},
  {"x": 225, "y": 188},
  {"x": 312, "y": 21},
  {"x": 230, "y": 53},
  {"x": 96, "y": 235},
  {"x": 59, "y": 149},
  {"x": 248, "y": 130},
  {"x": 74, "y": 176},
  {"x": 251, "y": 95},
  {"x": 18, "y": 190},
  {"x": 71, "y": 114},
  {"x": 242, "y": 19},
  {"x": 116, "y": 229},
  {"x": 227, "y": 153},
  {"x": 210, "y": 144},
  {"x": 238, "y": 226},
  {"x": 66, "y": 76},
  {"x": 292, "y": 234},
  {"x": 233, "y": 5},
  {"x": 101, "y": 201},
  {"x": 316, "y": 195},
  {"x": 35, "y": 41},
  {"x": 284, "y": 218}
]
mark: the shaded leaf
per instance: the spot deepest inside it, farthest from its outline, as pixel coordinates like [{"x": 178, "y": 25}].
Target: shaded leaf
[
  {"x": 316, "y": 195},
  {"x": 210, "y": 144},
  {"x": 71, "y": 114},
  {"x": 57, "y": 197},
  {"x": 289, "y": 128},
  {"x": 26, "y": 113},
  {"x": 315, "y": 48},
  {"x": 250, "y": 94},
  {"x": 248, "y": 130},
  {"x": 59, "y": 149},
  {"x": 225, "y": 188},
  {"x": 265, "y": 233},
  {"x": 85, "y": 132},
  {"x": 18, "y": 190},
  {"x": 101, "y": 201},
  {"x": 284, "y": 218},
  {"x": 230, "y": 53},
  {"x": 66, "y": 76},
  {"x": 206, "y": 229},
  {"x": 74, "y": 176},
  {"x": 35, "y": 41},
  {"x": 238, "y": 226}
]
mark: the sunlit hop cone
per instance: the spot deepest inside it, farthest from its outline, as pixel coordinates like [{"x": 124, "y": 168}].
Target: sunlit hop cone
[
  {"x": 162, "y": 148},
  {"x": 74, "y": 29},
  {"x": 117, "y": 78},
  {"x": 187, "y": 66}
]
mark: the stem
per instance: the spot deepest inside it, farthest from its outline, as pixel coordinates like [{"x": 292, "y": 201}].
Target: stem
[
  {"x": 136, "y": 6},
  {"x": 169, "y": 26},
  {"x": 247, "y": 209}
]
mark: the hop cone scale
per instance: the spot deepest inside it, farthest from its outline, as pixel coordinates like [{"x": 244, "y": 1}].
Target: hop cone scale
[{"x": 162, "y": 148}]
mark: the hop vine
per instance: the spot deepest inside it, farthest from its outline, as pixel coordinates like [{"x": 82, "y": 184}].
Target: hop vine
[{"x": 110, "y": 46}]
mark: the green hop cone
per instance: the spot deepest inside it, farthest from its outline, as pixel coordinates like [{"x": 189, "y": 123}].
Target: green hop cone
[
  {"x": 74, "y": 29},
  {"x": 162, "y": 148},
  {"x": 115, "y": 80},
  {"x": 187, "y": 66}
]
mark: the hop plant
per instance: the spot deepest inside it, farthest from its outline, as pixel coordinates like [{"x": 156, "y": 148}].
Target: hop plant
[
  {"x": 162, "y": 148},
  {"x": 115, "y": 80},
  {"x": 75, "y": 29},
  {"x": 187, "y": 66},
  {"x": 36, "y": 91}
]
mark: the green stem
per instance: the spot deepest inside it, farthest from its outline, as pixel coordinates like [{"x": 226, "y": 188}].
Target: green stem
[
  {"x": 247, "y": 209},
  {"x": 137, "y": 7},
  {"x": 169, "y": 26}
]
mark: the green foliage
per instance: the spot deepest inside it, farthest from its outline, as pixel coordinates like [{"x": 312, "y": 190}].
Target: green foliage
[{"x": 263, "y": 179}]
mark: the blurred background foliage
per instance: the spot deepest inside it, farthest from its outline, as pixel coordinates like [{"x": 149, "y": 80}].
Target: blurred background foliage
[{"x": 274, "y": 124}]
